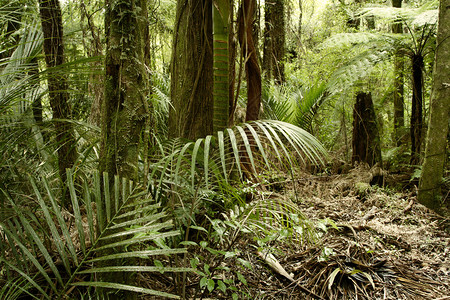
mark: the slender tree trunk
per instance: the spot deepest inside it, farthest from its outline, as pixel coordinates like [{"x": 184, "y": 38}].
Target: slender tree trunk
[
  {"x": 436, "y": 142},
  {"x": 191, "y": 113},
  {"x": 267, "y": 42},
  {"x": 50, "y": 12},
  {"x": 416, "y": 109},
  {"x": 399, "y": 111},
  {"x": 274, "y": 40},
  {"x": 300, "y": 27},
  {"x": 252, "y": 70},
  {"x": 366, "y": 139},
  {"x": 232, "y": 65},
  {"x": 95, "y": 49}
]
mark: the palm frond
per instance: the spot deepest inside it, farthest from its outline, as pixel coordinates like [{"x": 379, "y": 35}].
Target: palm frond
[
  {"x": 190, "y": 170},
  {"x": 68, "y": 253}
]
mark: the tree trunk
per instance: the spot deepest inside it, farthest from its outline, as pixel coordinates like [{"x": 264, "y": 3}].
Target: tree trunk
[
  {"x": 267, "y": 42},
  {"x": 125, "y": 108},
  {"x": 50, "y": 13},
  {"x": 436, "y": 142},
  {"x": 252, "y": 70},
  {"x": 95, "y": 49},
  {"x": 274, "y": 40},
  {"x": 399, "y": 111},
  {"x": 221, "y": 65},
  {"x": 366, "y": 140},
  {"x": 416, "y": 109},
  {"x": 191, "y": 113},
  {"x": 231, "y": 66}
]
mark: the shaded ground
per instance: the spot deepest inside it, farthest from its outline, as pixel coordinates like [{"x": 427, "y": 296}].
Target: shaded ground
[{"x": 375, "y": 243}]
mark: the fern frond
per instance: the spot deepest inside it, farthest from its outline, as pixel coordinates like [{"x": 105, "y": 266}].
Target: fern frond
[{"x": 356, "y": 69}]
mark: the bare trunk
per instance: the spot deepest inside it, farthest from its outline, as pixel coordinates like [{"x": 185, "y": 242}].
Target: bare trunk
[
  {"x": 436, "y": 142},
  {"x": 191, "y": 113},
  {"x": 416, "y": 109},
  {"x": 50, "y": 12},
  {"x": 252, "y": 70},
  {"x": 399, "y": 111}
]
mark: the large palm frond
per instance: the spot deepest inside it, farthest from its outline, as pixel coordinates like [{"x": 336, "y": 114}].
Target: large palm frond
[
  {"x": 207, "y": 167},
  {"x": 57, "y": 254}
]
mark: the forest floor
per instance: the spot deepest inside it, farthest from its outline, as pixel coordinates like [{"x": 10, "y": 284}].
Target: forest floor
[{"x": 375, "y": 243}]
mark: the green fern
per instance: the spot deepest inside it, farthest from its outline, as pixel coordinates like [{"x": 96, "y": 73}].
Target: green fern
[{"x": 57, "y": 259}]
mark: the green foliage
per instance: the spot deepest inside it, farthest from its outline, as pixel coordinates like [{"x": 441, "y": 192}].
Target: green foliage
[{"x": 52, "y": 254}]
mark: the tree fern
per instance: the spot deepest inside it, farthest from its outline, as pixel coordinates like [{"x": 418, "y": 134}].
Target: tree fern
[{"x": 57, "y": 257}]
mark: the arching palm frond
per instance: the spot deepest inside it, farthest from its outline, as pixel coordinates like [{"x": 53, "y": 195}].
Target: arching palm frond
[
  {"x": 249, "y": 148},
  {"x": 60, "y": 255}
]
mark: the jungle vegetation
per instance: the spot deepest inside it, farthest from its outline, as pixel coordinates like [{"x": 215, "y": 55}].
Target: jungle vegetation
[{"x": 133, "y": 132}]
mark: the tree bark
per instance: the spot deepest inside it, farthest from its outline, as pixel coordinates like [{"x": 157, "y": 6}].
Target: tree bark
[
  {"x": 221, "y": 9},
  {"x": 399, "y": 111},
  {"x": 191, "y": 113},
  {"x": 436, "y": 142},
  {"x": 274, "y": 41},
  {"x": 416, "y": 108},
  {"x": 51, "y": 20},
  {"x": 252, "y": 70},
  {"x": 95, "y": 49},
  {"x": 125, "y": 108},
  {"x": 366, "y": 140}
]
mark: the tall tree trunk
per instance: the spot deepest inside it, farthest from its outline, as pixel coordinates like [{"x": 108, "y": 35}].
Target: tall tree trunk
[
  {"x": 125, "y": 107},
  {"x": 267, "y": 42},
  {"x": 399, "y": 111},
  {"x": 416, "y": 108},
  {"x": 95, "y": 49},
  {"x": 274, "y": 40},
  {"x": 252, "y": 70},
  {"x": 51, "y": 20},
  {"x": 300, "y": 27},
  {"x": 221, "y": 15},
  {"x": 436, "y": 142},
  {"x": 366, "y": 139},
  {"x": 191, "y": 113},
  {"x": 232, "y": 65}
]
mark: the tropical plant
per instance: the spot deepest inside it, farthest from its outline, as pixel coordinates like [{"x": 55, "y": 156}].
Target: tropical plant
[{"x": 44, "y": 244}]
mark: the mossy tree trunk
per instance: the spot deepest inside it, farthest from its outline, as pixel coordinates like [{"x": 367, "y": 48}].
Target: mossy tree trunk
[
  {"x": 436, "y": 141},
  {"x": 399, "y": 111},
  {"x": 416, "y": 108},
  {"x": 252, "y": 70},
  {"x": 366, "y": 139},
  {"x": 125, "y": 110},
  {"x": 50, "y": 12},
  {"x": 191, "y": 113}
]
